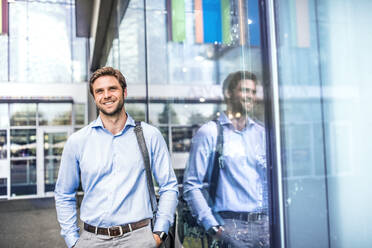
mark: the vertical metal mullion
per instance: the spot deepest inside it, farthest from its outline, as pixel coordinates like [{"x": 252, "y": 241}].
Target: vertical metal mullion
[
  {"x": 277, "y": 187},
  {"x": 146, "y": 61},
  {"x": 8, "y": 154}
]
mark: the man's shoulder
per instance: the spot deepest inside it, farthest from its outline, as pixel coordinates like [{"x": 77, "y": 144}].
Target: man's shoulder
[
  {"x": 149, "y": 130},
  {"x": 80, "y": 134},
  {"x": 258, "y": 124},
  {"x": 207, "y": 132}
]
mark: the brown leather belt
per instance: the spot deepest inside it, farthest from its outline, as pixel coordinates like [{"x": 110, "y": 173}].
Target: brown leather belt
[
  {"x": 245, "y": 216},
  {"x": 116, "y": 230}
]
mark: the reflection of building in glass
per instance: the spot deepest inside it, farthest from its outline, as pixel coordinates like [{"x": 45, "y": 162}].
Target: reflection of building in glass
[{"x": 43, "y": 95}]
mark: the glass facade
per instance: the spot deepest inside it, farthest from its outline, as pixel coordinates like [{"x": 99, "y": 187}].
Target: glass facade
[
  {"x": 46, "y": 28},
  {"x": 175, "y": 76},
  {"x": 41, "y": 48},
  {"x": 325, "y": 121},
  {"x": 176, "y": 56}
]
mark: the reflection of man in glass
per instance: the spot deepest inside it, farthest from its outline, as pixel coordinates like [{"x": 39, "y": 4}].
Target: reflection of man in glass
[{"x": 236, "y": 213}]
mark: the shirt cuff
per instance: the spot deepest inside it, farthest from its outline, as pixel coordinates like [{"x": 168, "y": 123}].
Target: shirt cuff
[
  {"x": 161, "y": 225},
  {"x": 208, "y": 223},
  {"x": 71, "y": 239}
]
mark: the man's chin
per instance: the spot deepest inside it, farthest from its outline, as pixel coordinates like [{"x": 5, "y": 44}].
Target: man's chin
[{"x": 110, "y": 113}]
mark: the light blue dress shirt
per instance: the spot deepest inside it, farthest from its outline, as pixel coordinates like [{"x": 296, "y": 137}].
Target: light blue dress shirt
[
  {"x": 242, "y": 185},
  {"x": 113, "y": 179}
]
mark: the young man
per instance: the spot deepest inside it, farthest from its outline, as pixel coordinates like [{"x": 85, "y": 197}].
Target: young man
[
  {"x": 105, "y": 157},
  {"x": 237, "y": 214}
]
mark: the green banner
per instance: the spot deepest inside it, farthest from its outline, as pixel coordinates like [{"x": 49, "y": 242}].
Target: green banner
[
  {"x": 226, "y": 22},
  {"x": 178, "y": 21}
]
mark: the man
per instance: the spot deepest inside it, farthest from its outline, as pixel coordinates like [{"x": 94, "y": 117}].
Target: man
[
  {"x": 106, "y": 158},
  {"x": 237, "y": 215}
]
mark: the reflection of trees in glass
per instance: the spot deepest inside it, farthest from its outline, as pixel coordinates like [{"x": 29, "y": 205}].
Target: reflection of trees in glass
[
  {"x": 23, "y": 118},
  {"x": 168, "y": 111},
  {"x": 136, "y": 113},
  {"x": 23, "y": 142},
  {"x": 3, "y": 142},
  {"x": 197, "y": 118}
]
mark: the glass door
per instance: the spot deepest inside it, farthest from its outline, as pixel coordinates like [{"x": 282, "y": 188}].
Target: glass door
[{"x": 50, "y": 146}]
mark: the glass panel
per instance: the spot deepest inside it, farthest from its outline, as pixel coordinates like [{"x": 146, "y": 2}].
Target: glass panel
[
  {"x": 22, "y": 143},
  {"x": 181, "y": 139},
  {"x": 4, "y": 117},
  {"x": 53, "y": 147},
  {"x": 131, "y": 44},
  {"x": 22, "y": 114},
  {"x": 326, "y": 126},
  {"x": 47, "y": 28},
  {"x": 3, "y": 186},
  {"x": 4, "y": 58},
  {"x": 54, "y": 114},
  {"x": 136, "y": 110},
  {"x": 23, "y": 177},
  {"x": 79, "y": 113},
  {"x": 190, "y": 54},
  {"x": 3, "y": 144}
]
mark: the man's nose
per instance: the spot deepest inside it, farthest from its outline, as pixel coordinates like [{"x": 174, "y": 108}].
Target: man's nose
[{"x": 107, "y": 94}]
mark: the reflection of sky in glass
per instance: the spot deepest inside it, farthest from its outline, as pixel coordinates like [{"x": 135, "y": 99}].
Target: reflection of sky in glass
[{"x": 40, "y": 43}]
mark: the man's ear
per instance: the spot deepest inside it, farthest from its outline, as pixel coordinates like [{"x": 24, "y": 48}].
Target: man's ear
[
  {"x": 125, "y": 93},
  {"x": 226, "y": 94}
]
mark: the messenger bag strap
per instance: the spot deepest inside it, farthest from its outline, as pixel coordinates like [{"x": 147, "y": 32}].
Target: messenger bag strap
[
  {"x": 146, "y": 160},
  {"x": 217, "y": 162}
]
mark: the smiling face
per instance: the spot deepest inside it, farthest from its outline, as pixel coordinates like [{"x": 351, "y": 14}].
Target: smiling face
[
  {"x": 243, "y": 97},
  {"x": 109, "y": 95}
]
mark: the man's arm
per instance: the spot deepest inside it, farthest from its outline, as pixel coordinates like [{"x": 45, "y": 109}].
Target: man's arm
[
  {"x": 64, "y": 193},
  {"x": 201, "y": 157},
  {"x": 168, "y": 187}
]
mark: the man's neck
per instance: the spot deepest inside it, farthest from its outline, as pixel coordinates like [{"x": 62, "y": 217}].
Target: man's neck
[
  {"x": 239, "y": 120},
  {"x": 114, "y": 123}
]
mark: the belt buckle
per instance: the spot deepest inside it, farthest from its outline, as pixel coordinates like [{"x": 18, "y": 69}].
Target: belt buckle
[{"x": 120, "y": 228}]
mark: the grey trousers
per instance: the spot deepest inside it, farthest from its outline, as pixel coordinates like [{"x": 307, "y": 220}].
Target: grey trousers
[{"x": 142, "y": 237}]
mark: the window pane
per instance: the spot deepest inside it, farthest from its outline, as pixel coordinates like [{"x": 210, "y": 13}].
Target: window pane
[
  {"x": 55, "y": 114},
  {"x": 22, "y": 143},
  {"x": 136, "y": 110},
  {"x": 53, "y": 147},
  {"x": 325, "y": 121},
  {"x": 79, "y": 114},
  {"x": 23, "y": 177},
  {"x": 47, "y": 28},
  {"x": 4, "y": 117},
  {"x": 185, "y": 80},
  {"x": 3, "y": 144},
  {"x": 3, "y": 186},
  {"x": 23, "y": 114}
]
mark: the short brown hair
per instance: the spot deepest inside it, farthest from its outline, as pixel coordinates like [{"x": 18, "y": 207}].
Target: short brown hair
[
  {"x": 107, "y": 71},
  {"x": 232, "y": 80}
]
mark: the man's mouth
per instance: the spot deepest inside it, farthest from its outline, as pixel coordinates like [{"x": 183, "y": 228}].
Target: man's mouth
[{"x": 108, "y": 103}]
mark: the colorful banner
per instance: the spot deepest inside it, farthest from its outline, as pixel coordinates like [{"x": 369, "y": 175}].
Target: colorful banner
[
  {"x": 4, "y": 16},
  {"x": 212, "y": 21},
  {"x": 212, "y": 26},
  {"x": 253, "y": 23},
  {"x": 178, "y": 21},
  {"x": 226, "y": 21},
  {"x": 199, "y": 34}
]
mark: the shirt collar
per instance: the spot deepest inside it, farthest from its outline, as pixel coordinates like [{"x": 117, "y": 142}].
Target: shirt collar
[
  {"x": 224, "y": 120},
  {"x": 130, "y": 122}
]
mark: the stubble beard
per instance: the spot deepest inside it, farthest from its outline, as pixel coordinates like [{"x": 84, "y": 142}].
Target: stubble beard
[{"x": 116, "y": 111}]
